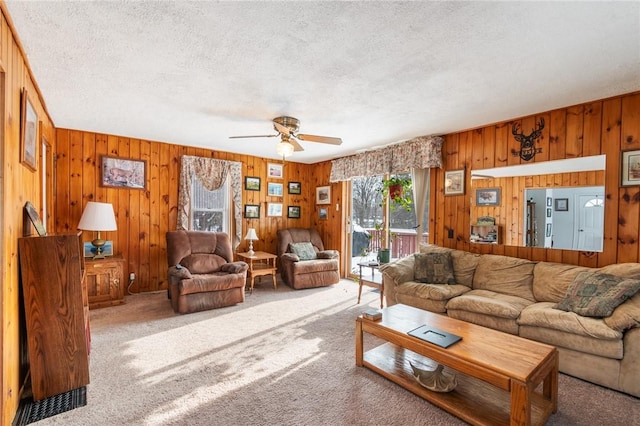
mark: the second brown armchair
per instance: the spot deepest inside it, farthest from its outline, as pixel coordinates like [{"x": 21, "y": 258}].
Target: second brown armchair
[{"x": 304, "y": 263}]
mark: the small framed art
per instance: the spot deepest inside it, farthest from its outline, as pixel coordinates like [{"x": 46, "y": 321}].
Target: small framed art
[
  {"x": 322, "y": 214},
  {"x": 274, "y": 209},
  {"x": 488, "y": 197},
  {"x": 275, "y": 189},
  {"x": 28, "y": 133},
  {"x": 123, "y": 173},
  {"x": 323, "y": 195},
  {"x": 275, "y": 170},
  {"x": 293, "y": 212},
  {"x": 252, "y": 183},
  {"x": 295, "y": 188},
  {"x": 630, "y": 168},
  {"x": 252, "y": 211},
  {"x": 562, "y": 204},
  {"x": 454, "y": 182}
]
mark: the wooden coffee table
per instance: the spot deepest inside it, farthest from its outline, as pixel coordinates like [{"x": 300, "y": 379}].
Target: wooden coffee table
[
  {"x": 261, "y": 263},
  {"x": 498, "y": 374}
]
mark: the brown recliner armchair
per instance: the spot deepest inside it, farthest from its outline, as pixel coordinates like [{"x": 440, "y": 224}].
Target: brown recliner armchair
[
  {"x": 202, "y": 273},
  {"x": 304, "y": 263}
]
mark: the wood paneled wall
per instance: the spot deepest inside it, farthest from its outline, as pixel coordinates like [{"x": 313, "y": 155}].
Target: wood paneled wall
[
  {"x": 144, "y": 216},
  {"x": 18, "y": 184},
  {"x": 607, "y": 126}
]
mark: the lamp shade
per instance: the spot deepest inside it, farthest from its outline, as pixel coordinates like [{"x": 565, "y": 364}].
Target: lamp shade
[
  {"x": 251, "y": 235},
  {"x": 98, "y": 217},
  {"x": 284, "y": 148}
]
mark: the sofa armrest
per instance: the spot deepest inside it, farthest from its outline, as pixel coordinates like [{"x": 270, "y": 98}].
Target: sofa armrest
[
  {"x": 235, "y": 267},
  {"x": 625, "y": 316},
  {"x": 396, "y": 273},
  {"x": 328, "y": 254},
  {"x": 290, "y": 257},
  {"x": 180, "y": 272}
]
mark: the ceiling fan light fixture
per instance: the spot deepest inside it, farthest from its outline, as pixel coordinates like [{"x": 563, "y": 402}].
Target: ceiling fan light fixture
[{"x": 284, "y": 148}]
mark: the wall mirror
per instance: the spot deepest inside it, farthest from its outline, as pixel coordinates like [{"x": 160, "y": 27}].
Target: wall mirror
[{"x": 551, "y": 204}]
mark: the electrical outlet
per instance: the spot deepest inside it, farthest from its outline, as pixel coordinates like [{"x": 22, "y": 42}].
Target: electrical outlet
[
  {"x": 450, "y": 231},
  {"x": 132, "y": 276}
]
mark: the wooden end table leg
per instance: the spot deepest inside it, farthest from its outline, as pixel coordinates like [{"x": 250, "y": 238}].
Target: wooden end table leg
[
  {"x": 381, "y": 296},
  {"x": 273, "y": 277},
  {"x": 359, "y": 353}
]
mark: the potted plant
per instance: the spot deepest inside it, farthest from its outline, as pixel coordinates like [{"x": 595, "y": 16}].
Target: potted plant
[{"x": 398, "y": 189}]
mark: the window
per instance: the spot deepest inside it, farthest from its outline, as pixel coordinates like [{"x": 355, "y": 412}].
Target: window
[{"x": 210, "y": 210}]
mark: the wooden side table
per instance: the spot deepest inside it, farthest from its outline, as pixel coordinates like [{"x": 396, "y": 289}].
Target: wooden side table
[
  {"x": 375, "y": 281},
  {"x": 261, "y": 263},
  {"x": 105, "y": 286}
]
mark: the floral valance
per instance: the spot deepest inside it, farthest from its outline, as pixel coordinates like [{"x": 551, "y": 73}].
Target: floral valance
[{"x": 418, "y": 153}]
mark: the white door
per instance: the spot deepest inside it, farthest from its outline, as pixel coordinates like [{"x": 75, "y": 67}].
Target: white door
[{"x": 590, "y": 221}]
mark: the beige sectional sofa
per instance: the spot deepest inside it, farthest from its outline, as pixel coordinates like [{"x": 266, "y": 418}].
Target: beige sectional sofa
[{"x": 519, "y": 296}]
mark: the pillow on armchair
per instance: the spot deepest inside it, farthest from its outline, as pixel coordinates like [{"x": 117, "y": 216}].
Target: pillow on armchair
[{"x": 304, "y": 250}]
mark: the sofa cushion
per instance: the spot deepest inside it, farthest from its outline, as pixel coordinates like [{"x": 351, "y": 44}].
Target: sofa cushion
[
  {"x": 489, "y": 303},
  {"x": 203, "y": 263},
  {"x": 464, "y": 266},
  {"x": 624, "y": 270},
  {"x": 434, "y": 268},
  {"x": 595, "y": 294},
  {"x": 543, "y": 314},
  {"x": 506, "y": 275},
  {"x": 612, "y": 349},
  {"x": 431, "y": 291},
  {"x": 552, "y": 280},
  {"x": 210, "y": 282},
  {"x": 305, "y": 250}
]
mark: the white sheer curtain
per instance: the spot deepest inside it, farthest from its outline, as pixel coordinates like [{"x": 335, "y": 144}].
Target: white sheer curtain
[{"x": 420, "y": 180}]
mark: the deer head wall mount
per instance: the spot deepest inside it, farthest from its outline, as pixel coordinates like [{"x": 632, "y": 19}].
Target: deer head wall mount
[{"x": 528, "y": 148}]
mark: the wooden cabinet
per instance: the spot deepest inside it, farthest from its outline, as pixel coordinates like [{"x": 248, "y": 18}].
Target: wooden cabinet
[
  {"x": 105, "y": 284},
  {"x": 56, "y": 313}
]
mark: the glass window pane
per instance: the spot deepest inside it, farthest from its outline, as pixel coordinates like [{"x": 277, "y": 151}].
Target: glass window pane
[{"x": 209, "y": 209}]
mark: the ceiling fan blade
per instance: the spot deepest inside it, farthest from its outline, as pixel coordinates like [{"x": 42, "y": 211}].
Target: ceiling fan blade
[
  {"x": 253, "y": 136},
  {"x": 282, "y": 129},
  {"x": 321, "y": 139},
  {"x": 296, "y": 145}
]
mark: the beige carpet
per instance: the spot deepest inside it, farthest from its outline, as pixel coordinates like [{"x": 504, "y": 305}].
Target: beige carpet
[{"x": 283, "y": 357}]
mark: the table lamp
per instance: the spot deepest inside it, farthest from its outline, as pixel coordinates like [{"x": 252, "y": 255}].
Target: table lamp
[
  {"x": 98, "y": 217},
  {"x": 251, "y": 237}
]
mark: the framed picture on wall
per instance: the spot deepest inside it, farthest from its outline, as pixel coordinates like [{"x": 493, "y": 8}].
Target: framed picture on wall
[
  {"x": 322, "y": 214},
  {"x": 323, "y": 195},
  {"x": 295, "y": 188},
  {"x": 274, "y": 209},
  {"x": 630, "y": 168},
  {"x": 28, "y": 133},
  {"x": 275, "y": 189},
  {"x": 454, "y": 182},
  {"x": 562, "y": 204},
  {"x": 293, "y": 212},
  {"x": 251, "y": 183},
  {"x": 275, "y": 170},
  {"x": 488, "y": 197},
  {"x": 123, "y": 173},
  {"x": 252, "y": 211}
]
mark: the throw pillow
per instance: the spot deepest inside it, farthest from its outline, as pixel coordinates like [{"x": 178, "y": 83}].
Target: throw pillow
[
  {"x": 434, "y": 268},
  {"x": 304, "y": 251},
  {"x": 596, "y": 294}
]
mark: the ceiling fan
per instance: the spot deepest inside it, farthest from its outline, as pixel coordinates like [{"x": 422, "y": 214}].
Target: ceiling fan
[{"x": 287, "y": 128}]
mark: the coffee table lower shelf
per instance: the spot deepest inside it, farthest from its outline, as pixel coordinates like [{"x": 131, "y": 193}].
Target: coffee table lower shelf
[{"x": 473, "y": 400}]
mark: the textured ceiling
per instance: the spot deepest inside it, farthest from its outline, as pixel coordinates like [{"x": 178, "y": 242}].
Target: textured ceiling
[{"x": 372, "y": 73}]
